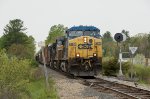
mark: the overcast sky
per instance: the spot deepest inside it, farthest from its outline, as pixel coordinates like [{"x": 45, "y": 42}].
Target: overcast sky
[{"x": 107, "y": 15}]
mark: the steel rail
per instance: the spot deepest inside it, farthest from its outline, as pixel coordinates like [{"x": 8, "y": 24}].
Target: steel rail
[{"x": 119, "y": 89}]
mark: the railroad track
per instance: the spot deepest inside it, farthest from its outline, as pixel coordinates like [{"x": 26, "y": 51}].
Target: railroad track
[{"x": 119, "y": 90}]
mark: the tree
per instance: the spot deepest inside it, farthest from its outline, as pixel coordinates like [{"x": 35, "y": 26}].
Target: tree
[
  {"x": 126, "y": 33},
  {"x": 14, "y": 36},
  {"x": 107, "y": 37},
  {"x": 127, "y": 42},
  {"x": 141, "y": 40},
  {"x": 149, "y": 38},
  {"x": 13, "y": 33},
  {"x": 14, "y": 26},
  {"x": 55, "y": 31},
  {"x": 107, "y": 42}
]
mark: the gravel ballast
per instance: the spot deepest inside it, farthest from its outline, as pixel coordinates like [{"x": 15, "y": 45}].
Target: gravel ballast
[{"x": 68, "y": 88}]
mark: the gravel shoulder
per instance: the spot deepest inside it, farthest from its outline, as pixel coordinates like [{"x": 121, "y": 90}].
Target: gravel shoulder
[{"x": 68, "y": 88}]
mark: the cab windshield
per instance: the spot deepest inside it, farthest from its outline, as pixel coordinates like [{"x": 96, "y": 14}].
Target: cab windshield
[
  {"x": 91, "y": 33},
  {"x": 73, "y": 34}
]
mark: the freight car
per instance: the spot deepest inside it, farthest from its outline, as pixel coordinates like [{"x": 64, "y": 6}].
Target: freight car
[{"x": 79, "y": 52}]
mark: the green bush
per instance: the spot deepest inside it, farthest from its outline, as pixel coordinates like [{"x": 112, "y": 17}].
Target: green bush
[
  {"x": 20, "y": 51},
  {"x": 18, "y": 80},
  {"x": 36, "y": 74},
  {"x": 142, "y": 73},
  {"x": 126, "y": 67},
  {"x": 110, "y": 66},
  {"x": 34, "y": 63},
  {"x": 14, "y": 76}
]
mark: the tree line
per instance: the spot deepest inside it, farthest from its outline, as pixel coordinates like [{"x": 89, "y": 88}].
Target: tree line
[{"x": 18, "y": 43}]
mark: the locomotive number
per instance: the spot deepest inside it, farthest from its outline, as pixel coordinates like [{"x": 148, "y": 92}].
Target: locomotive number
[{"x": 85, "y": 46}]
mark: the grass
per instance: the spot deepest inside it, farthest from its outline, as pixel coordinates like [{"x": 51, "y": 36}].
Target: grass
[
  {"x": 143, "y": 73},
  {"x": 38, "y": 90}
]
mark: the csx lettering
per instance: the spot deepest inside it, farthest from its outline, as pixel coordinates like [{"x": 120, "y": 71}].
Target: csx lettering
[{"x": 85, "y": 46}]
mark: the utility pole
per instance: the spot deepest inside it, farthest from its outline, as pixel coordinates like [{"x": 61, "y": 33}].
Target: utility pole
[{"x": 42, "y": 44}]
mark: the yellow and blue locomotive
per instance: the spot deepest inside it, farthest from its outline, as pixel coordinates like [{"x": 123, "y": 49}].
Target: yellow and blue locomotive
[{"x": 78, "y": 53}]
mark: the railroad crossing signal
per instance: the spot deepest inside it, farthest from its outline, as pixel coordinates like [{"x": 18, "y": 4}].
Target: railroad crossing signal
[{"x": 133, "y": 49}]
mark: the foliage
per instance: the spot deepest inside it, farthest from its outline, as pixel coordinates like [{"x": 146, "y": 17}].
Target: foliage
[
  {"x": 126, "y": 33},
  {"x": 142, "y": 73},
  {"x": 13, "y": 33},
  {"x": 36, "y": 74},
  {"x": 14, "y": 26},
  {"x": 107, "y": 42},
  {"x": 19, "y": 50},
  {"x": 139, "y": 59},
  {"x": 18, "y": 80},
  {"x": 38, "y": 90},
  {"x": 141, "y": 41},
  {"x": 127, "y": 42},
  {"x": 107, "y": 37},
  {"x": 34, "y": 63},
  {"x": 55, "y": 31},
  {"x": 11, "y": 38},
  {"x": 126, "y": 67},
  {"x": 16, "y": 42},
  {"x": 14, "y": 76},
  {"x": 111, "y": 66}
]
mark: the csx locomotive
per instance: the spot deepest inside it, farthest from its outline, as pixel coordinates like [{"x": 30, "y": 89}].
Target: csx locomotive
[{"x": 79, "y": 52}]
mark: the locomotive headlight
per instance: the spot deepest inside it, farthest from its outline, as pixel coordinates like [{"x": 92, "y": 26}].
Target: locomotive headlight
[
  {"x": 78, "y": 55},
  {"x": 85, "y": 39},
  {"x": 94, "y": 54}
]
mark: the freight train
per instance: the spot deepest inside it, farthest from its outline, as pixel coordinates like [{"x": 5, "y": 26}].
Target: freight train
[{"x": 79, "y": 52}]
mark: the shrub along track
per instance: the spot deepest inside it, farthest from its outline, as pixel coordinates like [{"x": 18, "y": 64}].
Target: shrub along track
[{"x": 119, "y": 90}]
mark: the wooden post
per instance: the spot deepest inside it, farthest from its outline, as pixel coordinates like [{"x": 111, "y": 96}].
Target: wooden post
[
  {"x": 42, "y": 44},
  {"x": 45, "y": 69}
]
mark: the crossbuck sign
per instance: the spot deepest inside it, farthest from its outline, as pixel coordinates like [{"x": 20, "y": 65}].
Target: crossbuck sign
[{"x": 133, "y": 49}]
